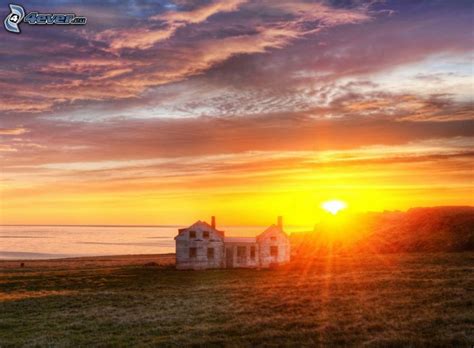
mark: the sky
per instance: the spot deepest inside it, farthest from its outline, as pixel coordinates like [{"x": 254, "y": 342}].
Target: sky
[{"x": 165, "y": 112}]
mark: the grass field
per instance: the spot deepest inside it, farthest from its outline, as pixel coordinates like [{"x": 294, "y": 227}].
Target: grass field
[{"x": 388, "y": 301}]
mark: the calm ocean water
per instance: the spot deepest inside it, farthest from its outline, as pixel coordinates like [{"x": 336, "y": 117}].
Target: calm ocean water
[{"x": 48, "y": 242}]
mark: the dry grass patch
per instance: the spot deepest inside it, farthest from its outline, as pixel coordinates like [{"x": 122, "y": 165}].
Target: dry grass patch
[
  {"x": 22, "y": 295},
  {"x": 381, "y": 301}
]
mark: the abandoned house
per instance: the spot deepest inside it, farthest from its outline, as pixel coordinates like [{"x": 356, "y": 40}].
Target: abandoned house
[{"x": 203, "y": 246}]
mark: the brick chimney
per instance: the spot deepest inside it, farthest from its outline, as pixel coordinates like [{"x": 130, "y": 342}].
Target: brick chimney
[
  {"x": 213, "y": 222},
  {"x": 280, "y": 222}
]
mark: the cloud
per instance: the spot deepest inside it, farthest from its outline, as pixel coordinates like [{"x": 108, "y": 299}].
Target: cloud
[
  {"x": 138, "y": 38},
  {"x": 287, "y": 55},
  {"x": 146, "y": 37},
  {"x": 13, "y": 131},
  {"x": 201, "y": 13},
  {"x": 402, "y": 107},
  {"x": 387, "y": 168},
  {"x": 7, "y": 148},
  {"x": 52, "y": 141},
  {"x": 325, "y": 15},
  {"x": 237, "y": 99},
  {"x": 105, "y": 76}
]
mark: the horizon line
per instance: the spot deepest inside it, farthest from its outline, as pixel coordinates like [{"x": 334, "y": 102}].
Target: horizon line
[{"x": 105, "y": 225}]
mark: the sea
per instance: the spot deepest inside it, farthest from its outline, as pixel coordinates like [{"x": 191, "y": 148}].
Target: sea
[{"x": 53, "y": 242}]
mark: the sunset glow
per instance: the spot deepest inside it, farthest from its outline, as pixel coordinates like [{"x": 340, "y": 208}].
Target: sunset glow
[
  {"x": 334, "y": 206},
  {"x": 177, "y": 110}
]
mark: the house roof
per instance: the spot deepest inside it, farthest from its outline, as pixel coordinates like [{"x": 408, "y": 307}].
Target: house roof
[
  {"x": 202, "y": 225},
  {"x": 240, "y": 240},
  {"x": 206, "y": 226},
  {"x": 271, "y": 229}
]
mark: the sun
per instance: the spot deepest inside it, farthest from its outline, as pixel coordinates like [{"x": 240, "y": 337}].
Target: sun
[{"x": 334, "y": 206}]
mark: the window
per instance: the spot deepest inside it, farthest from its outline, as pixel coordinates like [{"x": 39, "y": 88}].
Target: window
[
  {"x": 210, "y": 253},
  {"x": 274, "y": 250},
  {"x": 273, "y": 239},
  {"x": 192, "y": 252},
  {"x": 205, "y": 234},
  {"x": 192, "y": 234},
  {"x": 252, "y": 252},
  {"x": 241, "y": 251}
]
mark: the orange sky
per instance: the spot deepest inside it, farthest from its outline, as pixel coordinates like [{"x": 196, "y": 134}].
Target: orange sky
[
  {"x": 244, "y": 110},
  {"x": 249, "y": 188}
]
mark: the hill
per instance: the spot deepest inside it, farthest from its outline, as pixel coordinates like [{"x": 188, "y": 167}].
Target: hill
[{"x": 436, "y": 229}]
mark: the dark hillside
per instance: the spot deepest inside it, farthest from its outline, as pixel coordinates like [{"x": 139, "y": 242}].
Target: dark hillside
[{"x": 437, "y": 229}]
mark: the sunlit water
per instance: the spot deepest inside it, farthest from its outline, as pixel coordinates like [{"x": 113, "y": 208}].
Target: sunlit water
[{"x": 48, "y": 242}]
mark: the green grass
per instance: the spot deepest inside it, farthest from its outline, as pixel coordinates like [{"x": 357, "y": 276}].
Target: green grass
[{"x": 386, "y": 301}]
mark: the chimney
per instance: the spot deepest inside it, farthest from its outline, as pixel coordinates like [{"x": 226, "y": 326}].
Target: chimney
[
  {"x": 213, "y": 222},
  {"x": 280, "y": 222}
]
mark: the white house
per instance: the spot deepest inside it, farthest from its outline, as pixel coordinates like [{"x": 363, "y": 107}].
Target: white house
[{"x": 203, "y": 246}]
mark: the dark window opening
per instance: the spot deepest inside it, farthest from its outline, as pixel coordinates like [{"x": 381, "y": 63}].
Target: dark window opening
[
  {"x": 252, "y": 253},
  {"x": 210, "y": 253},
  {"x": 192, "y": 252},
  {"x": 274, "y": 251},
  {"x": 273, "y": 238},
  {"x": 205, "y": 234},
  {"x": 241, "y": 251},
  {"x": 192, "y": 234}
]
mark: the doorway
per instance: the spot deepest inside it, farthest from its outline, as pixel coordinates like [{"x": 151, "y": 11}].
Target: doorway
[{"x": 229, "y": 257}]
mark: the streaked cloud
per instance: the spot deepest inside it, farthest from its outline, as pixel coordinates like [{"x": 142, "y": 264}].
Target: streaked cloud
[
  {"x": 13, "y": 131},
  {"x": 109, "y": 76},
  {"x": 145, "y": 37}
]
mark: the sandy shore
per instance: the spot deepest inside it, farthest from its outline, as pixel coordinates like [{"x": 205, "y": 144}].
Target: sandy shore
[{"x": 88, "y": 262}]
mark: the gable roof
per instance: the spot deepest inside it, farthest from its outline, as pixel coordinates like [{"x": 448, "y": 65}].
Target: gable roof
[
  {"x": 272, "y": 229},
  {"x": 202, "y": 225}
]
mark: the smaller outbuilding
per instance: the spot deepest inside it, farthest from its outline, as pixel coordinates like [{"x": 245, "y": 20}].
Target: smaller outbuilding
[{"x": 203, "y": 246}]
